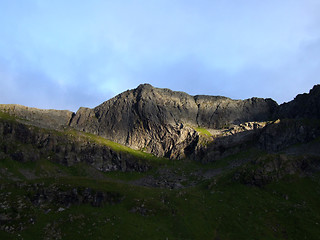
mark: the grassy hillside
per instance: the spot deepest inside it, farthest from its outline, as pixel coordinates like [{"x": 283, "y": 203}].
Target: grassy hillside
[
  {"x": 217, "y": 208},
  {"x": 46, "y": 200}
]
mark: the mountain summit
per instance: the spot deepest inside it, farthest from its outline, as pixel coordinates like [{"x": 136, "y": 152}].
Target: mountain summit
[
  {"x": 96, "y": 173},
  {"x": 162, "y": 121},
  {"x": 174, "y": 124}
]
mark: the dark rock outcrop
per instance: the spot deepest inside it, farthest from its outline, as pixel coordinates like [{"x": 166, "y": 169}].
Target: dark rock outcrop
[
  {"x": 47, "y": 118},
  {"x": 162, "y": 121},
  {"x": 24, "y": 143},
  {"x": 225, "y": 146},
  {"x": 274, "y": 167},
  {"x": 42, "y": 196},
  {"x": 287, "y": 132},
  {"x": 305, "y": 105},
  {"x": 166, "y": 123}
]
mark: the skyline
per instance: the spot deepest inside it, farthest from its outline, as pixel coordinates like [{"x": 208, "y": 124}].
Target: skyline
[{"x": 65, "y": 55}]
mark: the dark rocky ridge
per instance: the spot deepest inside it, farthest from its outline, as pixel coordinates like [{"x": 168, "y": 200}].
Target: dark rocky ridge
[
  {"x": 162, "y": 121},
  {"x": 287, "y": 132},
  {"x": 24, "y": 143},
  {"x": 305, "y": 105}
]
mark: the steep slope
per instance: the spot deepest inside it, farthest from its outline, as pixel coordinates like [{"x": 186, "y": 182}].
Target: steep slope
[
  {"x": 176, "y": 125},
  {"x": 299, "y": 122},
  {"x": 25, "y": 143},
  {"x": 163, "y": 122},
  {"x": 305, "y": 105},
  {"x": 59, "y": 183}
]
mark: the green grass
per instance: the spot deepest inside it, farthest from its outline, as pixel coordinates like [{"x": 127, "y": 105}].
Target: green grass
[
  {"x": 287, "y": 209},
  {"x": 72, "y": 133},
  {"x": 115, "y": 146},
  {"x": 121, "y": 148},
  {"x": 6, "y": 116},
  {"x": 203, "y": 131},
  {"x": 213, "y": 209}
]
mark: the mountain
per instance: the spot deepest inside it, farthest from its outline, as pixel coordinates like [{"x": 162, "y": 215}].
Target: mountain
[
  {"x": 164, "y": 122},
  {"x": 176, "y": 125},
  {"x": 303, "y": 106},
  {"x": 154, "y": 163}
]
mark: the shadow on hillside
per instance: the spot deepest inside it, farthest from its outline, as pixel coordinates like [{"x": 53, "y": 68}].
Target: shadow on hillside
[
  {"x": 274, "y": 137},
  {"x": 222, "y": 146}
]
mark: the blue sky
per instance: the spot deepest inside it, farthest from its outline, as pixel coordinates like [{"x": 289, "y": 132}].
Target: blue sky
[{"x": 65, "y": 54}]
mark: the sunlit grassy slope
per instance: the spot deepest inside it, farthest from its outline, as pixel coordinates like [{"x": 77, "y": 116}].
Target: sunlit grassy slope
[{"x": 203, "y": 131}]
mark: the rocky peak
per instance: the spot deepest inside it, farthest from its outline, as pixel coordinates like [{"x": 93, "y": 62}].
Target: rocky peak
[
  {"x": 162, "y": 121},
  {"x": 304, "y": 105},
  {"x": 165, "y": 122},
  {"x": 144, "y": 87},
  {"x": 315, "y": 90}
]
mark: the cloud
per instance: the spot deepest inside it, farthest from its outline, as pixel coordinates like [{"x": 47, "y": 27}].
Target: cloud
[
  {"x": 66, "y": 54},
  {"x": 33, "y": 88}
]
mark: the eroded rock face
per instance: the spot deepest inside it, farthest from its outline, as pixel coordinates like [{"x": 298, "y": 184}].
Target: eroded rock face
[
  {"x": 218, "y": 112},
  {"x": 24, "y": 143},
  {"x": 161, "y": 121},
  {"x": 164, "y": 122},
  {"x": 284, "y": 133},
  {"x": 47, "y": 118},
  {"x": 305, "y": 105}
]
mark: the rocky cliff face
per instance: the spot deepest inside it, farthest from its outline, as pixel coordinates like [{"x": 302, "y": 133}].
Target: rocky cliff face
[
  {"x": 287, "y": 132},
  {"x": 162, "y": 121},
  {"x": 168, "y": 123},
  {"x": 24, "y": 143},
  {"x": 303, "y": 106},
  {"x": 46, "y": 118}
]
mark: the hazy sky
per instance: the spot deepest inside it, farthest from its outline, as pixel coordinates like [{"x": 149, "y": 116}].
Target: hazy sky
[{"x": 65, "y": 54}]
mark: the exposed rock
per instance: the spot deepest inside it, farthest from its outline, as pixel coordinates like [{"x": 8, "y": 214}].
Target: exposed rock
[
  {"x": 165, "y": 123},
  {"x": 44, "y": 196},
  {"x": 48, "y": 118},
  {"x": 27, "y": 143},
  {"x": 274, "y": 167},
  {"x": 161, "y": 121},
  {"x": 284, "y": 133},
  {"x": 303, "y": 106},
  {"x": 226, "y": 142},
  {"x": 219, "y": 112}
]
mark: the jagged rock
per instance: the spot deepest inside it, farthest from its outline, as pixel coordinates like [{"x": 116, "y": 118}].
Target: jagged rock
[
  {"x": 218, "y": 112},
  {"x": 226, "y": 142},
  {"x": 164, "y": 123},
  {"x": 287, "y": 132},
  {"x": 303, "y": 106},
  {"x": 161, "y": 121},
  {"x": 26, "y": 143}
]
